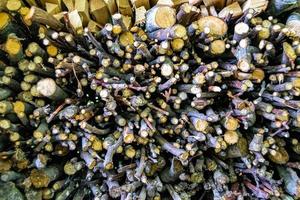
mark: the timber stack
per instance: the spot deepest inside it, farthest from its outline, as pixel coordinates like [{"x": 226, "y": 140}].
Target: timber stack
[{"x": 149, "y": 99}]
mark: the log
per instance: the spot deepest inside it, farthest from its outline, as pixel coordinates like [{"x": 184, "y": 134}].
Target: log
[
  {"x": 176, "y": 31},
  {"x": 177, "y": 44},
  {"x": 169, "y": 3},
  {"x": 48, "y": 88},
  {"x": 184, "y": 14},
  {"x": 14, "y": 5},
  {"x": 217, "y": 47},
  {"x": 94, "y": 27},
  {"x": 69, "y": 4},
  {"x": 52, "y": 8},
  {"x": 241, "y": 30},
  {"x": 8, "y": 26},
  {"x": 112, "y": 6},
  {"x": 31, "y": 2},
  {"x": 219, "y": 4},
  {"x": 212, "y": 11},
  {"x": 75, "y": 21},
  {"x": 217, "y": 27},
  {"x": 126, "y": 39},
  {"x": 124, "y": 7},
  {"x": 60, "y": 16},
  {"x": 257, "y": 5},
  {"x": 127, "y": 21},
  {"x": 13, "y": 47},
  {"x": 117, "y": 19},
  {"x": 204, "y": 11},
  {"x": 293, "y": 22},
  {"x": 40, "y": 16},
  {"x": 233, "y": 8},
  {"x": 153, "y": 2},
  {"x": 178, "y": 3},
  {"x": 140, "y": 3},
  {"x": 57, "y": 2},
  {"x": 82, "y": 6},
  {"x": 160, "y": 17},
  {"x": 99, "y": 11},
  {"x": 3, "y": 5},
  {"x": 140, "y": 15}
]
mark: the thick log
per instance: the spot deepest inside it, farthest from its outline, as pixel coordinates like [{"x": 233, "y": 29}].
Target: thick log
[
  {"x": 40, "y": 16},
  {"x": 160, "y": 17},
  {"x": 217, "y": 27},
  {"x": 48, "y": 88}
]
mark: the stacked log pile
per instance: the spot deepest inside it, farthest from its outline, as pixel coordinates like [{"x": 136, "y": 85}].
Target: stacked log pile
[{"x": 146, "y": 99}]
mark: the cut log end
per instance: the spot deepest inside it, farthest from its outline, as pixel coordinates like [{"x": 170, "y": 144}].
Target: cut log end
[
  {"x": 241, "y": 28},
  {"x": 19, "y": 107},
  {"x": 46, "y": 87},
  {"x": 13, "y": 5},
  {"x": 231, "y": 137},
  {"x": 165, "y": 17},
  {"x": 52, "y": 50},
  {"x": 216, "y": 26},
  {"x": 126, "y": 39},
  {"x": 166, "y": 70},
  {"x": 177, "y": 44},
  {"x": 218, "y": 47},
  {"x": 179, "y": 31},
  {"x": 4, "y": 20},
  {"x": 13, "y": 46}
]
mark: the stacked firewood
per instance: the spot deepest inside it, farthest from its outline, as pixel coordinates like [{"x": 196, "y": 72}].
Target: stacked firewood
[{"x": 147, "y": 99}]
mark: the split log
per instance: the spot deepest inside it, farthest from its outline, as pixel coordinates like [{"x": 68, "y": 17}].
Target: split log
[
  {"x": 124, "y": 7},
  {"x": 82, "y": 6},
  {"x": 94, "y": 27},
  {"x": 112, "y": 6},
  {"x": 52, "y": 8},
  {"x": 69, "y": 4},
  {"x": 217, "y": 3},
  {"x": 233, "y": 8},
  {"x": 257, "y": 5},
  {"x": 57, "y": 2},
  {"x": 99, "y": 11},
  {"x": 178, "y": 3},
  {"x": 75, "y": 21},
  {"x": 140, "y": 3},
  {"x": 30, "y": 2},
  {"x": 140, "y": 15}
]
